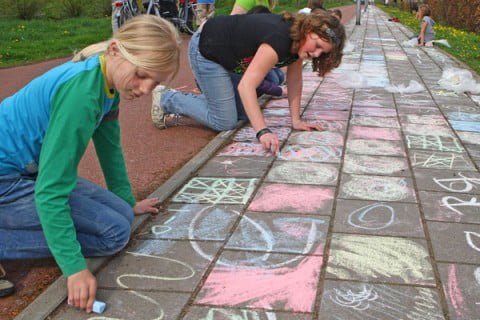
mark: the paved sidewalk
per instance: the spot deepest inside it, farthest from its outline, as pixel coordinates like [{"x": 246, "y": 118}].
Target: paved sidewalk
[{"x": 374, "y": 218}]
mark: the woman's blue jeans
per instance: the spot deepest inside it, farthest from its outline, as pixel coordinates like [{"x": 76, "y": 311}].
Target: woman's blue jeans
[
  {"x": 216, "y": 106},
  {"x": 102, "y": 220}
]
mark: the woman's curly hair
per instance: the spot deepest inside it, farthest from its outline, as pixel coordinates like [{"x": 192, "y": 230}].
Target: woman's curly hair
[{"x": 327, "y": 28}]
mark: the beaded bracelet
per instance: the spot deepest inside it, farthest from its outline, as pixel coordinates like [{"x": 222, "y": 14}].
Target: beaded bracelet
[{"x": 262, "y": 132}]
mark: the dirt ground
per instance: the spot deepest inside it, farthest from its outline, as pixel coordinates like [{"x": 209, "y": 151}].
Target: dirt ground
[{"x": 152, "y": 156}]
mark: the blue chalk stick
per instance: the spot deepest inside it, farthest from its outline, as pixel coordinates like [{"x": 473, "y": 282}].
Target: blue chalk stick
[{"x": 98, "y": 306}]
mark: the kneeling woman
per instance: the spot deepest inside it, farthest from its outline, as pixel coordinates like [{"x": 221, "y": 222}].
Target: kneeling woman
[
  {"x": 253, "y": 45},
  {"x": 45, "y": 209}
]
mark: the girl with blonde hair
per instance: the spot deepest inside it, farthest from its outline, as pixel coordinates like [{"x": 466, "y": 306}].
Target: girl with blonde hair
[{"x": 45, "y": 209}]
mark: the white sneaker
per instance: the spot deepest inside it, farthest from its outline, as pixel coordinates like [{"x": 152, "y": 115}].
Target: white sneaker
[{"x": 158, "y": 114}]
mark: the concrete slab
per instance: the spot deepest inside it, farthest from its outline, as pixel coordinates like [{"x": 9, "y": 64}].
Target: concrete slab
[
  {"x": 473, "y": 151},
  {"x": 373, "y": 121},
  {"x": 331, "y": 154},
  {"x": 246, "y": 167},
  {"x": 291, "y": 198},
  {"x": 461, "y": 286},
  {"x": 469, "y": 137},
  {"x": 214, "y": 313},
  {"x": 216, "y": 191},
  {"x": 448, "y": 181},
  {"x": 434, "y": 143},
  {"x": 359, "y": 132},
  {"x": 380, "y": 259},
  {"x": 450, "y": 207},
  {"x": 463, "y": 241},
  {"x": 315, "y": 138},
  {"x": 378, "y": 218},
  {"x": 326, "y": 115},
  {"x": 374, "y": 112},
  {"x": 441, "y": 160},
  {"x": 375, "y": 147},
  {"x": 123, "y": 304},
  {"x": 244, "y": 149},
  {"x": 192, "y": 222},
  {"x": 247, "y": 134},
  {"x": 379, "y": 188},
  {"x": 426, "y": 129},
  {"x": 159, "y": 265},
  {"x": 436, "y": 120},
  {"x": 303, "y": 173},
  {"x": 358, "y": 301},
  {"x": 268, "y": 281},
  {"x": 376, "y": 165}
]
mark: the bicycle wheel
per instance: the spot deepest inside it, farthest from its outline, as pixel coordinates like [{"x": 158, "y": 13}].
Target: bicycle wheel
[
  {"x": 189, "y": 20},
  {"x": 121, "y": 14}
]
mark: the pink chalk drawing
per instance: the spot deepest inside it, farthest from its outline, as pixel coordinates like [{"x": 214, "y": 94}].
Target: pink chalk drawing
[
  {"x": 280, "y": 103},
  {"x": 375, "y": 112},
  {"x": 324, "y": 138},
  {"x": 276, "y": 112},
  {"x": 326, "y": 115},
  {"x": 293, "y": 198},
  {"x": 244, "y": 149},
  {"x": 455, "y": 293},
  {"x": 286, "y": 288},
  {"x": 248, "y": 134},
  {"x": 358, "y": 132},
  {"x": 278, "y": 121}
]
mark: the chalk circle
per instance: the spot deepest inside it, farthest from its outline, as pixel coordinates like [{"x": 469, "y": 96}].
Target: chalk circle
[
  {"x": 377, "y": 188},
  {"x": 375, "y": 216}
]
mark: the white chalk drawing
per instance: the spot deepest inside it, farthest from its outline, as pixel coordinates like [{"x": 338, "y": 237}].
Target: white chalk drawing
[
  {"x": 231, "y": 314},
  {"x": 432, "y": 130},
  {"x": 466, "y": 184},
  {"x": 437, "y": 143},
  {"x": 248, "y": 134},
  {"x": 374, "y": 147},
  {"x": 377, "y": 188},
  {"x": 374, "y": 216},
  {"x": 355, "y": 300},
  {"x": 374, "y": 165},
  {"x": 476, "y": 274},
  {"x": 469, "y": 236},
  {"x": 324, "y": 138},
  {"x": 216, "y": 190},
  {"x": 297, "y": 172},
  {"x": 375, "y": 122},
  {"x": 311, "y": 153},
  {"x": 440, "y": 161},
  {"x": 426, "y": 119},
  {"x": 451, "y": 202}
]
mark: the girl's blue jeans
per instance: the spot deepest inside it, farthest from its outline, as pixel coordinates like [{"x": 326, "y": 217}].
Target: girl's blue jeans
[{"x": 102, "y": 220}]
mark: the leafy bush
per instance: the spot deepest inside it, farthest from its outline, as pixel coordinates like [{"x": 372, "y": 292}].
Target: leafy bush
[
  {"x": 73, "y": 8},
  {"x": 27, "y": 9}
]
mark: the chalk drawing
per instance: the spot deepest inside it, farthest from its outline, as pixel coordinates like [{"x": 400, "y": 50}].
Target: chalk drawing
[
  {"x": 465, "y": 125},
  {"x": 325, "y": 115},
  {"x": 357, "y": 132},
  {"x": 375, "y": 121},
  {"x": 466, "y": 184},
  {"x": 216, "y": 190},
  {"x": 377, "y": 188},
  {"x": 452, "y": 161},
  {"x": 452, "y": 202},
  {"x": 427, "y": 130},
  {"x": 278, "y": 121},
  {"x": 311, "y": 153},
  {"x": 300, "y": 173},
  {"x": 244, "y": 149},
  {"x": 437, "y": 143},
  {"x": 324, "y": 138},
  {"x": 378, "y": 258},
  {"x": 276, "y": 112},
  {"x": 469, "y": 137},
  {"x": 437, "y": 120},
  {"x": 463, "y": 116},
  {"x": 455, "y": 293},
  {"x": 277, "y": 103},
  {"x": 248, "y": 134},
  {"x": 375, "y": 112},
  {"x": 469, "y": 236},
  {"x": 355, "y": 300},
  {"x": 234, "y": 166},
  {"x": 232, "y": 314},
  {"x": 375, "y": 216},
  {"x": 374, "y": 165},
  {"x": 332, "y": 125},
  {"x": 459, "y": 108},
  {"x": 374, "y": 147}
]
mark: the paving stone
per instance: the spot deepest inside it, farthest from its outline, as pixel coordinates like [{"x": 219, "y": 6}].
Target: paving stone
[
  {"x": 335, "y": 125},
  {"x": 192, "y": 222},
  {"x": 247, "y": 134},
  {"x": 469, "y": 126},
  {"x": 469, "y": 137},
  {"x": 303, "y": 173},
  {"x": 278, "y": 121},
  {"x": 437, "y": 120},
  {"x": 375, "y": 147},
  {"x": 244, "y": 149},
  {"x": 214, "y": 313},
  {"x": 463, "y": 241},
  {"x": 458, "y": 108},
  {"x": 342, "y": 300},
  {"x": 247, "y": 167},
  {"x": 425, "y": 129},
  {"x": 378, "y": 218},
  {"x": 372, "y": 121},
  {"x": 324, "y": 138},
  {"x": 376, "y": 165},
  {"x": 262, "y": 280},
  {"x": 404, "y": 110},
  {"x": 463, "y": 116},
  {"x": 380, "y": 259},
  {"x": 450, "y": 207},
  {"x": 358, "y": 132},
  {"x": 325, "y": 115},
  {"x": 159, "y": 265},
  {"x": 447, "y": 181},
  {"x": 293, "y": 199},
  {"x": 374, "y": 112},
  {"x": 434, "y": 143},
  {"x": 281, "y": 233},
  {"x": 378, "y": 188},
  {"x": 473, "y": 151},
  {"x": 276, "y": 112},
  {"x": 330, "y": 154},
  {"x": 441, "y": 160},
  {"x": 216, "y": 191},
  {"x": 130, "y": 305},
  {"x": 461, "y": 285}
]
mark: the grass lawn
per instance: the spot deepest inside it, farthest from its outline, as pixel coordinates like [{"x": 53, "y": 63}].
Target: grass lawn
[
  {"x": 23, "y": 41},
  {"x": 465, "y": 45}
]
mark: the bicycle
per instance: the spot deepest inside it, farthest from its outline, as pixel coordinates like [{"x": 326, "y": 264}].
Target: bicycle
[{"x": 182, "y": 16}]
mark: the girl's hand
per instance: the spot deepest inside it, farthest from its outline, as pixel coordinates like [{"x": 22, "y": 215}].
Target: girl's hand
[
  {"x": 269, "y": 142},
  {"x": 146, "y": 206},
  {"x": 82, "y": 287},
  {"x": 305, "y": 126}
]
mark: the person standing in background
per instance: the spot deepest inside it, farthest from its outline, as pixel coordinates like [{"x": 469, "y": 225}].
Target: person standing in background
[{"x": 205, "y": 10}]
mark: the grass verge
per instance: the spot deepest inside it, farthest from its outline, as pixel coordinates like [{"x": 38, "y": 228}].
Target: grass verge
[{"x": 465, "y": 45}]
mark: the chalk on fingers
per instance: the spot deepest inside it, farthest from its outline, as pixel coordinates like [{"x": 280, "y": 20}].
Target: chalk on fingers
[{"x": 98, "y": 306}]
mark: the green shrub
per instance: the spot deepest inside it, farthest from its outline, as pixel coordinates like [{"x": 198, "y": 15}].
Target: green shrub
[
  {"x": 27, "y": 9},
  {"x": 73, "y": 8}
]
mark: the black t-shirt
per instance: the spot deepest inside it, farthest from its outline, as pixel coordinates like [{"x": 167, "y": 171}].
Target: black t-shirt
[{"x": 232, "y": 41}]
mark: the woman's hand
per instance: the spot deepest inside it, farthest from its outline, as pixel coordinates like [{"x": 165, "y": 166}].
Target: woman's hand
[
  {"x": 146, "y": 206},
  {"x": 82, "y": 287},
  {"x": 305, "y": 126},
  {"x": 269, "y": 142}
]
